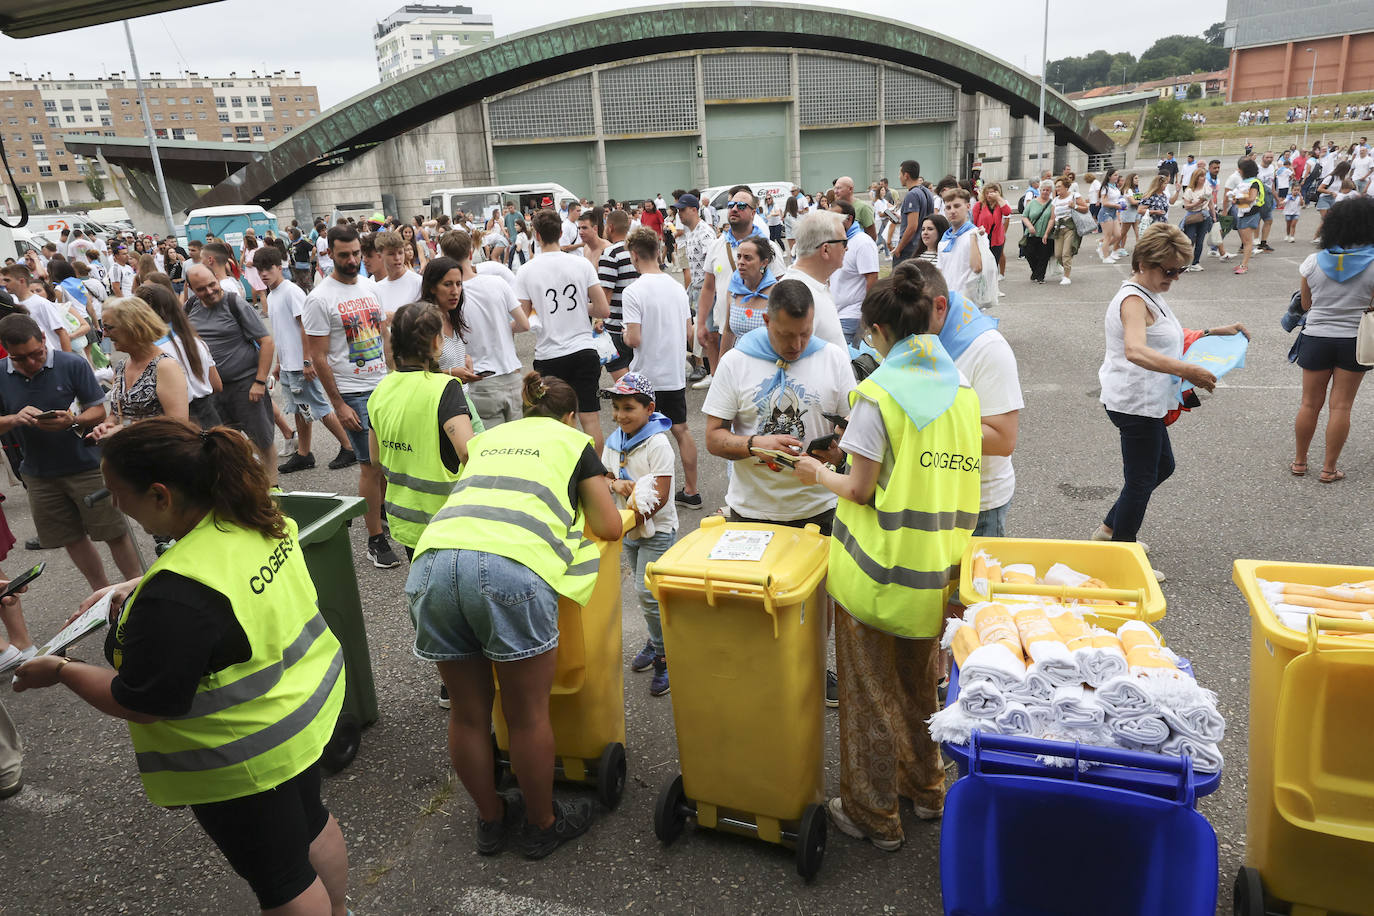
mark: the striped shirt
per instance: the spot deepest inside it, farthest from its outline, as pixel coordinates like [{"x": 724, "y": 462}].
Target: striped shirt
[{"x": 616, "y": 271}]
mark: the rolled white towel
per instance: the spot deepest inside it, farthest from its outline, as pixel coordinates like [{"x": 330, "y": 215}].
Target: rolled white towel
[
  {"x": 982, "y": 699},
  {"x": 1041, "y": 716},
  {"x": 1142, "y": 730},
  {"x": 1201, "y": 722},
  {"x": 644, "y": 500},
  {"x": 1035, "y": 687},
  {"x": 993, "y": 663},
  {"x": 1206, "y": 756},
  {"x": 1127, "y": 695},
  {"x": 1059, "y": 574},
  {"x": 952, "y": 725},
  {"x": 1015, "y": 719},
  {"x": 1100, "y": 663},
  {"x": 1076, "y": 706}
]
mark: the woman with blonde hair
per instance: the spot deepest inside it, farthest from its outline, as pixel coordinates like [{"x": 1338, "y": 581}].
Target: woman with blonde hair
[
  {"x": 1198, "y": 214},
  {"x": 148, "y": 382},
  {"x": 1066, "y": 237}
]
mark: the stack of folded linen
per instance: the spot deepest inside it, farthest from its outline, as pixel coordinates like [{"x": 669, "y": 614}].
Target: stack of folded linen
[{"x": 1293, "y": 602}]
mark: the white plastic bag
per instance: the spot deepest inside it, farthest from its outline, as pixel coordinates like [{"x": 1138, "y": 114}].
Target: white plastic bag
[
  {"x": 605, "y": 347},
  {"x": 983, "y": 289}
]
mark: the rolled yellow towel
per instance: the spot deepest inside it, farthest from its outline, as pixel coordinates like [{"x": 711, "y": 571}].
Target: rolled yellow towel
[
  {"x": 964, "y": 642},
  {"x": 1071, "y": 628},
  {"x": 994, "y": 625},
  {"x": 1142, "y": 647}
]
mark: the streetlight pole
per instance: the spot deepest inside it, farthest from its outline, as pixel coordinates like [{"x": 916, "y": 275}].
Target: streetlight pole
[
  {"x": 152, "y": 141},
  {"x": 1044, "y": 75},
  {"x": 1308, "y": 120}
]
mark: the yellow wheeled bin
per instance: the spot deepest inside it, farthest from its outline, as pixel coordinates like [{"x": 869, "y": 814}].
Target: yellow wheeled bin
[
  {"x": 744, "y": 627},
  {"x": 1310, "y": 824},
  {"x": 587, "y": 705},
  {"x": 1132, "y": 591}
]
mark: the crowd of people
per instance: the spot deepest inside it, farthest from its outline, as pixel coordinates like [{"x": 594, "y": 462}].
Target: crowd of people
[{"x": 400, "y": 338}]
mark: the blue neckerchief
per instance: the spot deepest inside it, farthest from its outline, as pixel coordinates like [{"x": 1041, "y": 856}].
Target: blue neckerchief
[
  {"x": 738, "y": 288},
  {"x": 74, "y": 289},
  {"x": 757, "y": 345},
  {"x": 621, "y": 444},
  {"x": 963, "y": 324},
  {"x": 921, "y": 377},
  {"x": 1340, "y": 264},
  {"x": 952, "y": 235},
  {"x": 853, "y": 230},
  {"x": 754, "y": 232}
]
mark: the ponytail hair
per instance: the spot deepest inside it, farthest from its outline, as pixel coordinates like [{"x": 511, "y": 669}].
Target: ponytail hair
[
  {"x": 547, "y": 396},
  {"x": 904, "y": 302},
  {"x": 215, "y": 468}
]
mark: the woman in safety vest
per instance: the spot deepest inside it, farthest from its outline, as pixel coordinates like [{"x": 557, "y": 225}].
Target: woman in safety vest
[
  {"x": 229, "y": 678},
  {"x": 906, "y": 510},
  {"x": 484, "y": 587}
]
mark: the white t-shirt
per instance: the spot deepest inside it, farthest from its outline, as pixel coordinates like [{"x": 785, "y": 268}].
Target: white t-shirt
[
  {"x": 826, "y": 324},
  {"x": 569, "y": 236},
  {"x": 849, "y": 284},
  {"x": 1185, "y": 172},
  {"x": 229, "y": 285},
  {"x": 196, "y": 386},
  {"x": 322, "y": 253},
  {"x": 48, "y": 315},
  {"x": 954, "y": 264},
  {"x": 1094, "y": 192},
  {"x": 487, "y": 306},
  {"x": 1360, "y": 167},
  {"x": 285, "y": 303},
  {"x": 351, "y": 316},
  {"x": 556, "y": 283},
  {"x": 122, "y": 274},
  {"x": 1267, "y": 174},
  {"x": 653, "y": 457},
  {"x": 818, "y": 384},
  {"x": 497, "y": 269},
  {"x": 658, "y": 304},
  {"x": 395, "y": 293},
  {"x": 990, "y": 366}
]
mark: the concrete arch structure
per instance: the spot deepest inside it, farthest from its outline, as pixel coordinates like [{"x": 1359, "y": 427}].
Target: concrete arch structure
[{"x": 456, "y": 86}]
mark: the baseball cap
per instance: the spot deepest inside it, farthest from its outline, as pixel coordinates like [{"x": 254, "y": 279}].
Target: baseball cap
[
  {"x": 688, "y": 200},
  {"x": 629, "y": 384}
]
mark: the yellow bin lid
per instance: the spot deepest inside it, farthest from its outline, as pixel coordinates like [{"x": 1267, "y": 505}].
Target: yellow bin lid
[{"x": 780, "y": 565}]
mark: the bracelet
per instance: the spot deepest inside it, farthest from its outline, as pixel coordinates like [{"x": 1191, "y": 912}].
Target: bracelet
[
  {"x": 749, "y": 446},
  {"x": 258, "y": 381},
  {"x": 57, "y": 675}
]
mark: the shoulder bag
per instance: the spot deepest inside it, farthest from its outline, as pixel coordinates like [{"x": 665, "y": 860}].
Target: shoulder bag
[{"x": 1364, "y": 337}]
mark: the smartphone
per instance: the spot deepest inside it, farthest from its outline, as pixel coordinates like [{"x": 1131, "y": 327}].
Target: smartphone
[
  {"x": 486, "y": 373},
  {"x": 23, "y": 580},
  {"x": 822, "y": 444},
  {"x": 836, "y": 420},
  {"x": 50, "y": 415}
]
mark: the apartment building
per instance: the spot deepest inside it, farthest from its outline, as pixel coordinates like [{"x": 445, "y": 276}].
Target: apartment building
[{"x": 419, "y": 34}]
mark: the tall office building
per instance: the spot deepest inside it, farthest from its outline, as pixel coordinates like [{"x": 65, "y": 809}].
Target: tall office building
[
  {"x": 36, "y": 111},
  {"x": 417, "y": 34}
]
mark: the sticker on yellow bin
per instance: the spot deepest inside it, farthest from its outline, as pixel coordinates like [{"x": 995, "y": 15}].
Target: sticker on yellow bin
[{"x": 741, "y": 545}]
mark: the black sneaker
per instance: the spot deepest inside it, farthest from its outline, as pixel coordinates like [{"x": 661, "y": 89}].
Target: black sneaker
[
  {"x": 444, "y": 701},
  {"x": 571, "y": 818},
  {"x": 296, "y": 462},
  {"x": 346, "y": 458},
  {"x": 380, "y": 553},
  {"x": 832, "y": 690},
  {"x": 659, "y": 685},
  {"x": 697, "y": 374},
  {"x": 691, "y": 502},
  {"x": 33, "y": 544},
  {"x": 492, "y": 836}
]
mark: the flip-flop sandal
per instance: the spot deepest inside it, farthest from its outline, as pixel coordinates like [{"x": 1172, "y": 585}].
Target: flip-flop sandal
[
  {"x": 1331, "y": 476},
  {"x": 1242, "y": 270},
  {"x": 1298, "y": 468}
]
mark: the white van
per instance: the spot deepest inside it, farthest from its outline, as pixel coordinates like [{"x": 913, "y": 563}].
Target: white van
[
  {"x": 489, "y": 199},
  {"x": 716, "y": 196}
]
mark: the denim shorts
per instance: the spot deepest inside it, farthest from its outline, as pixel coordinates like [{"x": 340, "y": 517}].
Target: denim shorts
[
  {"x": 467, "y": 603},
  {"x": 1250, "y": 220},
  {"x": 358, "y": 438},
  {"x": 304, "y": 396}
]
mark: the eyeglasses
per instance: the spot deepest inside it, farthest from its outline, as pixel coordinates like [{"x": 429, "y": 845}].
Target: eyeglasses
[
  {"x": 844, "y": 243},
  {"x": 1173, "y": 273},
  {"x": 738, "y": 205}
]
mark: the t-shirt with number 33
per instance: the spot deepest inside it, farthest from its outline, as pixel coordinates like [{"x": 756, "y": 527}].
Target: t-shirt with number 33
[{"x": 556, "y": 284}]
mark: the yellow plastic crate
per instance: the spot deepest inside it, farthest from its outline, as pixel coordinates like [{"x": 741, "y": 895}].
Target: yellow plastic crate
[{"x": 1122, "y": 565}]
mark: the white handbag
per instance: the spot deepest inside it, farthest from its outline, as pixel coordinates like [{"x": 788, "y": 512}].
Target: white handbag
[{"x": 1364, "y": 338}]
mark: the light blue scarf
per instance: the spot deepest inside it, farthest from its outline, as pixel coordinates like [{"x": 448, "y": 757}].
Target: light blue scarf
[
  {"x": 921, "y": 377},
  {"x": 622, "y": 445},
  {"x": 738, "y": 288},
  {"x": 853, "y": 230},
  {"x": 951, "y": 236},
  {"x": 963, "y": 325},
  {"x": 1340, "y": 264},
  {"x": 757, "y": 345}
]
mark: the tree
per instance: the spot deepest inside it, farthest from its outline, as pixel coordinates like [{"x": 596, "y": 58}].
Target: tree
[
  {"x": 1195, "y": 91},
  {"x": 1164, "y": 123},
  {"x": 1215, "y": 34},
  {"x": 97, "y": 187}
]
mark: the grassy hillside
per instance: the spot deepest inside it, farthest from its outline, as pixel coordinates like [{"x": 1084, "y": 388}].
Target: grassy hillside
[{"x": 1221, "y": 120}]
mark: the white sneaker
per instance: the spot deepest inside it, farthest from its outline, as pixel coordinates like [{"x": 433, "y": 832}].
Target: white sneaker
[
  {"x": 1292, "y": 239},
  {"x": 703, "y": 384},
  {"x": 1227, "y": 257},
  {"x": 287, "y": 448},
  {"x": 1065, "y": 282},
  {"x": 1120, "y": 253},
  {"x": 1001, "y": 293},
  {"x": 845, "y": 825}
]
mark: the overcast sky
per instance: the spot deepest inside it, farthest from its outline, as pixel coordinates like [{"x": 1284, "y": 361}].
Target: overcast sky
[{"x": 335, "y": 52}]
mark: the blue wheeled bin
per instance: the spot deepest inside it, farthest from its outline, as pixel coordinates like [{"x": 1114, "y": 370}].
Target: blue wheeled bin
[{"x": 1019, "y": 845}]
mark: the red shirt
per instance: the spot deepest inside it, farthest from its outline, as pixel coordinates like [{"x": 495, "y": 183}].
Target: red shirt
[
  {"x": 992, "y": 221},
  {"x": 652, "y": 219}
]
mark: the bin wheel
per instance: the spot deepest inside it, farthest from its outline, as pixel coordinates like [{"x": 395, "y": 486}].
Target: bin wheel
[
  {"x": 343, "y": 744},
  {"x": 811, "y": 841},
  {"x": 610, "y": 775},
  {"x": 670, "y": 814},
  {"x": 1247, "y": 898}
]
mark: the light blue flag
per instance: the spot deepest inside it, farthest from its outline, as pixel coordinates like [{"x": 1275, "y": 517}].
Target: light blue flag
[{"x": 1218, "y": 354}]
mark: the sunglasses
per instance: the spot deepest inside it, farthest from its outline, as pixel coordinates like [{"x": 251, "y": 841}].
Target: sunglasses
[
  {"x": 1173, "y": 273},
  {"x": 738, "y": 205}
]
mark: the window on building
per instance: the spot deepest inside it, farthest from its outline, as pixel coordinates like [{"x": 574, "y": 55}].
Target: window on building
[
  {"x": 51, "y": 204},
  {"x": 287, "y": 129},
  {"x": 178, "y": 133},
  {"x": 236, "y": 101},
  {"x": 157, "y": 116},
  {"x": 128, "y": 118},
  {"x": 81, "y": 168},
  {"x": 87, "y": 119},
  {"x": 35, "y": 120},
  {"x": 267, "y": 101},
  {"x": 190, "y": 133},
  {"x": 84, "y": 104},
  {"x": 70, "y": 119},
  {"x": 63, "y": 168},
  {"x": 240, "y": 133},
  {"x": 45, "y": 171},
  {"x": 124, "y": 102},
  {"x": 36, "y": 138},
  {"x": 238, "y": 116},
  {"x": 281, "y": 98},
  {"x": 171, "y": 101},
  {"x": 108, "y": 133},
  {"x": 219, "y": 101},
  {"x": 102, "y": 104},
  {"x": 224, "y": 117},
  {"x": 29, "y": 104},
  {"x": 106, "y": 121},
  {"x": 200, "y": 100},
  {"x": 172, "y": 116},
  {"x": 25, "y": 170},
  {"x": 269, "y": 115},
  {"x": 48, "y": 105},
  {"x": 300, "y": 112},
  {"x": 53, "y": 121},
  {"x": 154, "y": 100},
  {"x": 61, "y": 154},
  {"x": 204, "y": 116},
  {"x": 252, "y": 101},
  {"x": 161, "y": 133},
  {"x": 271, "y": 130},
  {"x": 67, "y": 105},
  {"x": 226, "y": 134},
  {"x": 186, "y": 100},
  {"x": 298, "y": 98},
  {"x": 257, "y": 130},
  {"x": 21, "y": 154}
]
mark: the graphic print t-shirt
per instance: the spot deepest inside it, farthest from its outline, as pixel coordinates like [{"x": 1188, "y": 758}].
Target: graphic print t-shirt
[{"x": 351, "y": 316}]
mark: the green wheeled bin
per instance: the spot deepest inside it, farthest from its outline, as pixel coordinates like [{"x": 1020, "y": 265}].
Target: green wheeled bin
[{"x": 323, "y": 519}]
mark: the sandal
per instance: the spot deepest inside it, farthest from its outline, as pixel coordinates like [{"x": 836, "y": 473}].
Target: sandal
[
  {"x": 1242, "y": 270},
  {"x": 1331, "y": 476},
  {"x": 1298, "y": 468}
]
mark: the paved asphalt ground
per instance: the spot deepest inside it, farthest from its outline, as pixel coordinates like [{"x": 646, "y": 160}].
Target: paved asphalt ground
[{"x": 83, "y": 838}]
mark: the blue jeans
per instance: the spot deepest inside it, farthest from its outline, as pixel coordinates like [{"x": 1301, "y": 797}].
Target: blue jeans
[
  {"x": 992, "y": 523},
  {"x": 850, "y": 327},
  {"x": 1147, "y": 460},
  {"x": 1197, "y": 234},
  {"x": 640, "y": 553},
  {"x": 467, "y": 603}
]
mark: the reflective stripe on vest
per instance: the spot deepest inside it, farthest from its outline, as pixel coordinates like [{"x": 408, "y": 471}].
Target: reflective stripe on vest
[
  {"x": 891, "y": 560},
  {"x": 513, "y": 501},
  {"x": 257, "y": 723},
  {"x": 404, "y": 411}
]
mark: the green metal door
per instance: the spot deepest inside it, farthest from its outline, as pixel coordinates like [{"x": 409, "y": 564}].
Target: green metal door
[
  {"x": 829, "y": 154},
  {"x": 928, "y": 144},
  {"x": 568, "y": 164},
  {"x": 746, "y": 143},
  {"x": 640, "y": 169}
]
